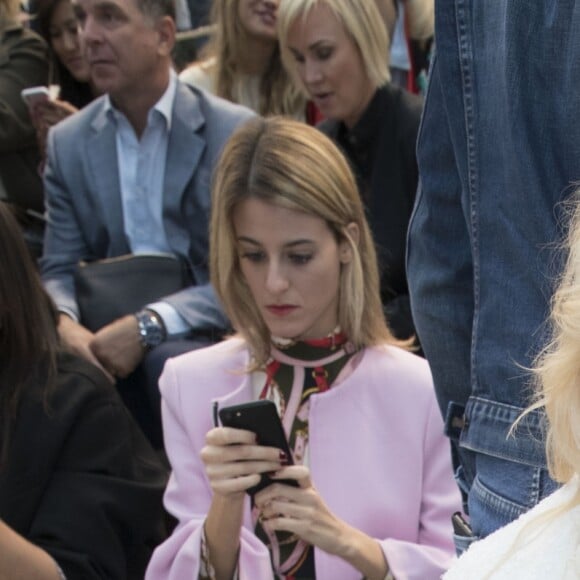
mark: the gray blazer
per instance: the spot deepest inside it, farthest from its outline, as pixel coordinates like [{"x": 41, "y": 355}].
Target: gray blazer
[{"x": 85, "y": 214}]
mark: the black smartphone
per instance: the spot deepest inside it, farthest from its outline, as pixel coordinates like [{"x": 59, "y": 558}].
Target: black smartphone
[{"x": 260, "y": 417}]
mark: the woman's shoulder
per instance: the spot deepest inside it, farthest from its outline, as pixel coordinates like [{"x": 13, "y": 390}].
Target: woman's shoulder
[
  {"x": 71, "y": 368},
  {"x": 200, "y": 74},
  {"x": 210, "y": 363},
  {"x": 410, "y": 368},
  {"x": 401, "y": 100},
  {"x": 405, "y": 107},
  {"x": 23, "y": 50},
  {"x": 193, "y": 379},
  {"x": 391, "y": 374},
  {"x": 79, "y": 395},
  {"x": 78, "y": 389},
  {"x": 539, "y": 540},
  {"x": 214, "y": 357}
]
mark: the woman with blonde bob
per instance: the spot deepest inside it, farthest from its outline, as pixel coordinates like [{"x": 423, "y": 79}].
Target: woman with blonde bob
[
  {"x": 293, "y": 262},
  {"x": 544, "y": 542},
  {"x": 336, "y": 51},
  {"x": 242, "y": 62}
]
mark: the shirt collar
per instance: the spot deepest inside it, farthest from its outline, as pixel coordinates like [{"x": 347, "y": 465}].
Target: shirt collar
[{"x": 164, "y": 105}]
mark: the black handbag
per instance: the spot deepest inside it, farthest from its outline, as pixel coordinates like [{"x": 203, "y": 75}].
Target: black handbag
[{"x": 111, "y": 288}]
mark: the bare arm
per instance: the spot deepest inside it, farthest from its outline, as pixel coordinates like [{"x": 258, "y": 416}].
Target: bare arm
[
  {"x": 78, "y": 339},
  {"x": 21, "y": 559}
]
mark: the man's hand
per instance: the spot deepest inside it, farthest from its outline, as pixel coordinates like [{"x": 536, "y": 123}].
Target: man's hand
[
  {"x": 118, "y": 346},
  {"x": 77, "y": 339}
]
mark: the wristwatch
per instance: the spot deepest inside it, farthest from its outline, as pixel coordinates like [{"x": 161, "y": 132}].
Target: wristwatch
[{"x": 152, "y": 331}]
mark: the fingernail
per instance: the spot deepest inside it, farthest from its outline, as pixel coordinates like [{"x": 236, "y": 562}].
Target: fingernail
[{"x": 283, "y": 457}]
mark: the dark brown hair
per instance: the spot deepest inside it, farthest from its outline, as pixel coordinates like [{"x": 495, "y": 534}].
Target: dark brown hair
[
  {"x": 75, "y": 92},
  {"x": 28, "y": 333}
]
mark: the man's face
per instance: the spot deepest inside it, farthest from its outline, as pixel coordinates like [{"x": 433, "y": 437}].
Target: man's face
[{"x": 126, "y": 50}]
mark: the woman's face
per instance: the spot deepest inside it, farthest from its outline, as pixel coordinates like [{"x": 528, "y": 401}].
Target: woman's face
[
  {"x": 291, "y": 262},
  {"x": 258, "y": 17},
  {"x": 66, "y": 42},
  {"x": 329, "y": 64}
]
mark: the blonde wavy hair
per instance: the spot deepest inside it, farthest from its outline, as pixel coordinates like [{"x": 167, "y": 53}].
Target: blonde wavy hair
[
  {"x": 557, "y": 388},
  {"x": 557, "y": 369},
  {"x": 362, "y": 22},
  {"x": 288, "y": 163},
  {"x": 278, "y": 94}
]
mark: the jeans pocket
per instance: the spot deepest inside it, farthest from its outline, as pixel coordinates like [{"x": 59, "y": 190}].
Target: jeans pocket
[
  {"x": 463, "y": 542},
  {"x": 502, "y": 491}
]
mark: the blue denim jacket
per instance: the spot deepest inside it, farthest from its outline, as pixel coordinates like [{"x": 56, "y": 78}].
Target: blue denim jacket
[{"x": 498, "y": 149}]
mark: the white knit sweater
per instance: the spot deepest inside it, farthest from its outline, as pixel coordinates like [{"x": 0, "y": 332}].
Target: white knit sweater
[{"x": 547, "y": 549}]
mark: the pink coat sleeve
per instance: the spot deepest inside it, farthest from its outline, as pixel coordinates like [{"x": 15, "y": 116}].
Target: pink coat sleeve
[
  {"x": 188, "y": 495},
  {"x": 433, "y": 553}
]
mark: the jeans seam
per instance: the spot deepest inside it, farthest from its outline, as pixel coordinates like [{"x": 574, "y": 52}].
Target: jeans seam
[{"x": 467, "y": 73}]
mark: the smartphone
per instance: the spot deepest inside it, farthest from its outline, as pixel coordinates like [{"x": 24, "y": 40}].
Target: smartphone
[
  {"x": 33, "y": 95},
  {"x": 460, "y": 526},
  {"x": 260, "y": 417}
]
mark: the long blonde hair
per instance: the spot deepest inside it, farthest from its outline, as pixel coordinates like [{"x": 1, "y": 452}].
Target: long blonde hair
[
  {"x": 557, "y": 369},
  {"x": 288, "y": 163},
  {"x": 278, "y": 94}
]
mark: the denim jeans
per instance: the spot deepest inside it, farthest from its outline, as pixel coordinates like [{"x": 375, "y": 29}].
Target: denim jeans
[{"x": 498, "y": 150}]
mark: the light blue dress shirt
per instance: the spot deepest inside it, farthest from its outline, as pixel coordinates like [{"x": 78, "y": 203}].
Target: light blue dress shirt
[{"x": 141, "y": 176}]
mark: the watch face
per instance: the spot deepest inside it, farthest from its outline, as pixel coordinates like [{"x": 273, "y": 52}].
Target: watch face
[
  {"x": 151, "y": 329},
  {"x": 154, "y": 336}
]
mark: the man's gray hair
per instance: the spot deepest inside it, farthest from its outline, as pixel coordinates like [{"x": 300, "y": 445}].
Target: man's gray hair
[{"x": 157, "y": 8}]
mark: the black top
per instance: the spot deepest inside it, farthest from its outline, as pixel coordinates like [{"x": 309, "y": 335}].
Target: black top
[
  {"x": 23, "y": 63},
  {"x": 381, "y": 151},
  {"x": 81, "y": 481}
]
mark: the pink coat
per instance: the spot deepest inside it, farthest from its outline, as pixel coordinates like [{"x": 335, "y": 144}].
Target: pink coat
[{"x": 377, "y": 456}]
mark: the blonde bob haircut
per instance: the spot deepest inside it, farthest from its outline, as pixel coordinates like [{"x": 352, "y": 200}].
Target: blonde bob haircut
[
  {"x": 361, "y": 20},
  {"x": 558, "y": 367},
  {"x": 289, "y": 164}
]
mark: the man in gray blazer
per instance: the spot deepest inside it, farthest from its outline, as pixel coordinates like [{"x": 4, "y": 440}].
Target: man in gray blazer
[{"x": 131, "y": 173}]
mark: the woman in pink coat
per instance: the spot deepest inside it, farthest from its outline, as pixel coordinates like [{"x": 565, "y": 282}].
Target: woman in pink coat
[{"x": 292, "y": 260}]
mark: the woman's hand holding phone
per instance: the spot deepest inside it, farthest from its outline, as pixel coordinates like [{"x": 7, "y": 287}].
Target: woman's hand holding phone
[
  {"x": 234, "y": 462},
  {"x": 301, "y": 510}
]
